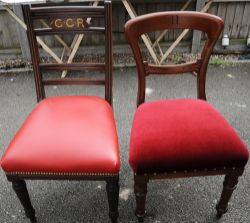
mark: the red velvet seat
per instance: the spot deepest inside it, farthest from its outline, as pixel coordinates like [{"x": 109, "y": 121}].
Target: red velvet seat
[
  {"x": 76, "y": 131},
  {"x": 183, "y": 134}
]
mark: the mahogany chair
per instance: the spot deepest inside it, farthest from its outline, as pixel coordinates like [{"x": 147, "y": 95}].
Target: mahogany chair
[
  {"x": 67, "y": 137},
  {"x": 175, "y": 138}
]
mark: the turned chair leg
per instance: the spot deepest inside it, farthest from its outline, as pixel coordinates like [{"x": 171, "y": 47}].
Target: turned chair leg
[
  {"x": 140, "y": 189},
  {"x": 112, "y": 188},
  {"x": 23, "y": 195},
  {"x": 229, "y": 185}
]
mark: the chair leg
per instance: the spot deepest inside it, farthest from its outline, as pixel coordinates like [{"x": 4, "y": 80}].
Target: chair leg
[
  {"x": 22, "y": 193},
  {"x": 229, "y": 185},
  {"x": 112, "y": 188},
  {"x": 140, "y": 189}
]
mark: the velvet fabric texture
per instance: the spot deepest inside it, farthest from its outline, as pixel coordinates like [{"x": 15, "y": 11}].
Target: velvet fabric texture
[
  {"x": 66, "y": 134},
  {"x": 183, "y": 134}
]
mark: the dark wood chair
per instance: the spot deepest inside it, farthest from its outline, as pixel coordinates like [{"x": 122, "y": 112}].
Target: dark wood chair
[
  {"x": 67, "y": 137},
  {"x": 180, "y": 137}
]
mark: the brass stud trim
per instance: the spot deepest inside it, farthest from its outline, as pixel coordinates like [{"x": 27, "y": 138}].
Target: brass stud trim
[
  {"x": 194, "y": 170},
  {"x": 59, "y": 174}
]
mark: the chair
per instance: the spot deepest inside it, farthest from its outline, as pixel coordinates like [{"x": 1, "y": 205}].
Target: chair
[
  {"x": 67, "y": 137},
  {"x": 175, "y": 138}
]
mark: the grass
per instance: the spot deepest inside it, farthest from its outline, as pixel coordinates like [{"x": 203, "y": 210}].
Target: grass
[{"x": 220, "y": 61}]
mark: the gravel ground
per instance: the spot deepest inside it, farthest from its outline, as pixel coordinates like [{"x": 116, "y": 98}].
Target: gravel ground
[
  {"x": 179, "y": 200},
  {"x": 124, "y": 59}
]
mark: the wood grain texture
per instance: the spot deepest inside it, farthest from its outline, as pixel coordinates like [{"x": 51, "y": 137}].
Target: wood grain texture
[
  {"x": 239, "y": 10},
  {"x": 22, "y": 37},
  {"x": 8, "y": 34},
  {"x": 245, "y": 23}
]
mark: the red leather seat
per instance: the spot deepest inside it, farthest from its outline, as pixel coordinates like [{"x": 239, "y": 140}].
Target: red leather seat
[
  {"x": 187, "y": 134},
  {"x": 66, "y": 134}
]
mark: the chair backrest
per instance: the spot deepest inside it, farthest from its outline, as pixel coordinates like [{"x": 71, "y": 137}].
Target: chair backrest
[
  {"x": 70, "y": 19},
  {"x": 134, "y": 28}
]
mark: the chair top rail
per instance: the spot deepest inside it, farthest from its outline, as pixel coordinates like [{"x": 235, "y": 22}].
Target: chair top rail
[
  {"x": 39, "y": 1},
  {"x": 67, "y": 11},
  {"x": 175, "y": 20}
]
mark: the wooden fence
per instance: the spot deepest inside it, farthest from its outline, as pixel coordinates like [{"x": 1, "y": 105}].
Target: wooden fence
[{"x": 236, "y": 15}]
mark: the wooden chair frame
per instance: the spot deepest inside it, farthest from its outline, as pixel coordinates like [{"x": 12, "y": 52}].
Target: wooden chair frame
[
  {"x": 41, "y": 12},
  {"x": 177, "y": 20}
]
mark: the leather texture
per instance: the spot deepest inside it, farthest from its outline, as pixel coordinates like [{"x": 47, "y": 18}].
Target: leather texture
[
  {"x": 183, "y": 134},
  {"x": 66, "y": 134}
]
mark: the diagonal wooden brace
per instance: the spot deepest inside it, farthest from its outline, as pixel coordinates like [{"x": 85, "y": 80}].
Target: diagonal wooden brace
[
  {"x": 145, "y": 38},
  {"x": 39, "y": 40}
]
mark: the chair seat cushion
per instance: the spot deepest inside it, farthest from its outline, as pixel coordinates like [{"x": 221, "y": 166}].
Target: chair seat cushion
[
  {"x": 183, "y": 134},
  {"x": 66, "y": 134}
]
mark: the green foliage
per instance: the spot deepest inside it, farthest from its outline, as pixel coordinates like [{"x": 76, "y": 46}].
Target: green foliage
[{"x": 220, "y": 61}]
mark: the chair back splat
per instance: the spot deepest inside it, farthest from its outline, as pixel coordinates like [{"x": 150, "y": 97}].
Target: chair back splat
[
  {"x": 173, "y": 20},
  {"x": 183, "y": 137},
  {"x": 84, "y": 26}
]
